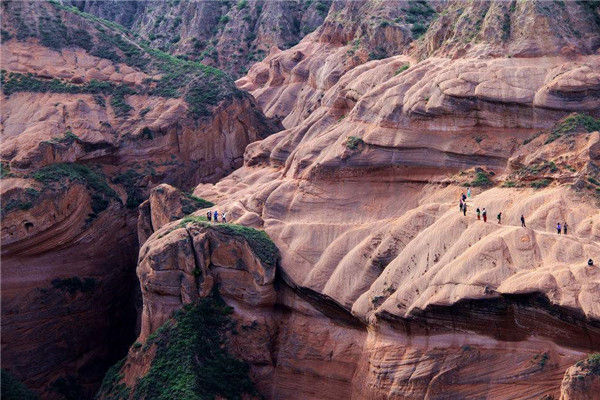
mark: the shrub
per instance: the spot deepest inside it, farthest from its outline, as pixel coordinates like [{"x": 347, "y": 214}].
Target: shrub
[
  {"x": 102, "y": 193},
  {"x": 573, "y": 123},
  {"x": 191, "y": 359},
  {"x": 242, "y": 4},
  {"x": 594, "y": 363},
  {"x": 540, "y": 183},
  {"x": 401, "y": 69},
  {"x": 481, "y": 180},
  {"x": 418, "y": 30},
  {"x": 130, "y": 181},
  {"x": 353, "y": 142},
  {"x": 191, "y": 203}
]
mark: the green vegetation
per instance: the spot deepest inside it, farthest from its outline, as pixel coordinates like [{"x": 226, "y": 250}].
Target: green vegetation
[
  {"x": 191, "y": 361},
  {"x": 541, "y": 359},
  {"x": 144, "y": 111},
  {"x": 242, "y": 4},
  {"x": 258, "y": 240},
  {"x": 573, "y": 123},
  {"x": 481, "y": 179},
  {"x": 15, "y": 82},
  {"x": 5, "y": 170},
  {"x": 540, "y": 183},
  {"x": 191, "y": 203},
  {"x": 12, "y": 389},
  {"x": 260, "y": 243},
  {"x": 353, "y": 142},
  {"x": 322, "y": 9},
  {"x": 68, "y": 138},
  {"x": 419, "y": 14},
  {"x": 102, "y": 193},
  {"x": 74, "y": 284},
  {"x": 112, "y": 388},
  {"x": 378, "y": 53},
  {"x": 401, "y": 69},
  {"x": 129, "y": 180},
  {"x": 201, "y": 86},
  {"x": 593, "y": 362}
]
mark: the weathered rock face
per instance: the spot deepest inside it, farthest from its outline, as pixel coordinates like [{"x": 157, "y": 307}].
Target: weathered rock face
[
  {"x": 88, "y": 128},
  {"x": 229, "y": 35},
  {"x": 582, "y": 380}
]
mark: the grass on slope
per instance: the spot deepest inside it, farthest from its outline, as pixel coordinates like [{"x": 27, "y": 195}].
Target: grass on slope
[
  {"x": 573, "y": 123},
  {"x": 191, "y": 361},
  {"x": 60, "y": 26},
  {"x": 94, "y": 180}
]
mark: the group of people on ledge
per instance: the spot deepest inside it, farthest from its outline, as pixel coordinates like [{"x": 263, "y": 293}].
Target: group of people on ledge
[
  {"x": 463, "y": 208},
  {"x": 210, "y": 216}
]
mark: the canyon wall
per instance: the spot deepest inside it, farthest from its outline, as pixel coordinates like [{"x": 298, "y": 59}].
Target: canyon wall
[
  {"x": 384, "y": 288},
  {"x": 89, "y": 126}
]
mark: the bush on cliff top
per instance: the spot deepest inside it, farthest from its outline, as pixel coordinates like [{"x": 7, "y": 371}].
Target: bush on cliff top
[
  {"x": 102, "y": 193},
  {"x": 260, "y": 243},
  {"x": 573, "y": 123},
  {"x": 191, "y": 361}
]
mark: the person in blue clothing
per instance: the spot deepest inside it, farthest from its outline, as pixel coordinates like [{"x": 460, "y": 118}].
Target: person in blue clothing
[
  {"x": 558, "y": 228},
  {"x": 216, "y": 215}
]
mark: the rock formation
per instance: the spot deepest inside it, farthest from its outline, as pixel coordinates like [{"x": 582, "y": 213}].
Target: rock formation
[
  {"x": 91, "y": 121},
  {"x": 348, "y": 269},
  {"x": 229, "y": 35}
]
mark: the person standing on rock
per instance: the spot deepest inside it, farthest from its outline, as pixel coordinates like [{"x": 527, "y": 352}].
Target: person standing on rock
[
  {"x": 469, "y": 192},
  {"x": 523, "y": 221},
  {"x": 465, "y": 209},
  {"x": 464, "y": 197},
  {"x": 478, "y": 213},
  {"x": 224, "y": 216},
  {"x": 216, "y": 216},
  {"x": 558, "y": 228},
  {"x": 209, "y": 216},
  {"x": 565, "y": 226},
  {"x": 499, "y": 217},
  {"x": 484, "y": 215},
  {"x": 460, "y": 205}
]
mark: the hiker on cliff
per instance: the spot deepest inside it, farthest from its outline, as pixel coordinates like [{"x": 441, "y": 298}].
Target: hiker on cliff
[
  {"x": 469, "y": 192},
  {"x": 499, "y": 218},
  {"x": 460, "y": 205},
  {"x": 484, "y": 215},
  {"x": 523, "y": 221},
  {"x": 464, "y": 197},
  {"x": 558, "y": 228},
  {"x": 478, "y": 213},
  {"x": 224, "y": 217},
  {"x": 590, "y": 263},
  {"x": 465, "y": 209},
  {"x": 216, "y": 216},
  {"x": 209, "y": 216},
  {"x": 565, "y": 226}
]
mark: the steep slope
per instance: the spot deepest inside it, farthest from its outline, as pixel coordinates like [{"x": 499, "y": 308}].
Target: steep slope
[
  {"x": 91, "y": 121},
  {"x": 228, "y": 34}
]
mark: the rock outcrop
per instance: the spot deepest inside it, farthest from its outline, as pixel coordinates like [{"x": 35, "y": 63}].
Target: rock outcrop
[
  {"x": 582, "y": 380},
  {"x": 91, "y": 122}
]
